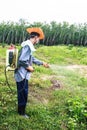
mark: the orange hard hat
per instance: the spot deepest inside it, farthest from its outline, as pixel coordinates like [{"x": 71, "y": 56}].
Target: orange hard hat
[{"x": 37, "y": 30}]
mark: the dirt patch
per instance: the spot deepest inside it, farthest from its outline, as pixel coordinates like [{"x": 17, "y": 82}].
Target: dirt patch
[
  {"x": 81, "y": 69},
  {"x": 72, "y": 67},
  {"x": 43, "y": 95},
  {"x": 56, "y": 84},
  {"x": 37, "y": 95}
]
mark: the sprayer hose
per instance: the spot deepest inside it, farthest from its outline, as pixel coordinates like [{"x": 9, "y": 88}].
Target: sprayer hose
[{"x": 7, "y": 78}]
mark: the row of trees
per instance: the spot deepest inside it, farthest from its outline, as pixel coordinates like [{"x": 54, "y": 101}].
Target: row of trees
[{"x": 55, "y": 33}]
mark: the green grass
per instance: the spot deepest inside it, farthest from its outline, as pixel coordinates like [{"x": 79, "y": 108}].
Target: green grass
[{"x": 50, "y": 107}]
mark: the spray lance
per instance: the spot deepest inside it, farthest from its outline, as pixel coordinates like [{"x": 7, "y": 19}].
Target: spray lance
[{"x": 11, "y": 61}]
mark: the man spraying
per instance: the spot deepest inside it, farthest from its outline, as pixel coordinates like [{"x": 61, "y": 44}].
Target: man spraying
[{"x": 25, "y": 68}]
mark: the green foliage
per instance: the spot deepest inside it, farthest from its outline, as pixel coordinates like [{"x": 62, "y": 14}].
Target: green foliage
[
  {"x": 62, "y": 55},
  {"x": 55, "y": 33},
  {"x": 77, "y": 113}
]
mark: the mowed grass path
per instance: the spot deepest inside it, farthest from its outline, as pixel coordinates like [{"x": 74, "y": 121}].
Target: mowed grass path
[{"x": 50, "y": 91}]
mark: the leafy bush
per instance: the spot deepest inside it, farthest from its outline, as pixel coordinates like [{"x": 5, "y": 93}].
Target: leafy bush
[{"x": 77, "y": 113}]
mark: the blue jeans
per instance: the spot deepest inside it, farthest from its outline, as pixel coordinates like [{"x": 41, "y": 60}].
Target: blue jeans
[{"x": 22, "y": 92}]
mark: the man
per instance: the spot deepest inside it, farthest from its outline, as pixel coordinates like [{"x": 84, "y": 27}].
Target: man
[{"x": 25, "y": 68}]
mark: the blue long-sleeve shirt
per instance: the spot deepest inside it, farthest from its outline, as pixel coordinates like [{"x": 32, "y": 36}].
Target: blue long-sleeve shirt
[{"x": 25, "y": 60}]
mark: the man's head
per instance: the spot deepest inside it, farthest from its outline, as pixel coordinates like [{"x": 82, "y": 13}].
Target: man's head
[
  {"x": 34, "y": 37},
  {"x": 35, "y": 34}
]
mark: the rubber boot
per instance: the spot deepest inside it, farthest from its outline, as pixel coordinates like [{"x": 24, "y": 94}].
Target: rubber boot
[{"x": 21, "y": 111}]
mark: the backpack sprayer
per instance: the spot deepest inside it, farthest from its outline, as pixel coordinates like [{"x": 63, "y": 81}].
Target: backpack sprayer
[{"x": 11, "y": 61}]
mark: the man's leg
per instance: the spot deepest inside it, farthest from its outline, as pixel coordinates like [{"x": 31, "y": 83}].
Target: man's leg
[{"x": 22, "y": 91}]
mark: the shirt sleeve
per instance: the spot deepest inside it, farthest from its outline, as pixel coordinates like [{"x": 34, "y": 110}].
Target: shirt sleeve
[
  {"x": 36, "y": 61},
  {"x": 24, "y": 57}
]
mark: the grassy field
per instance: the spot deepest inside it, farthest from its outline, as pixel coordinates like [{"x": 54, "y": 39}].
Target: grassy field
[{"x": 57, "y": 96}]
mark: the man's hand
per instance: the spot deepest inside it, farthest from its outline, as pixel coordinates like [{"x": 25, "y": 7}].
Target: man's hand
[
  {"x": 30, "y": 68},
  {"x": 46, "y": 65}
]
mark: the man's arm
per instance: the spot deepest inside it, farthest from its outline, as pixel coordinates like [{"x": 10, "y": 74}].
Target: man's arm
[
  {"x": 38, "y": 62},
  {"x": 24, "y": 59}
]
